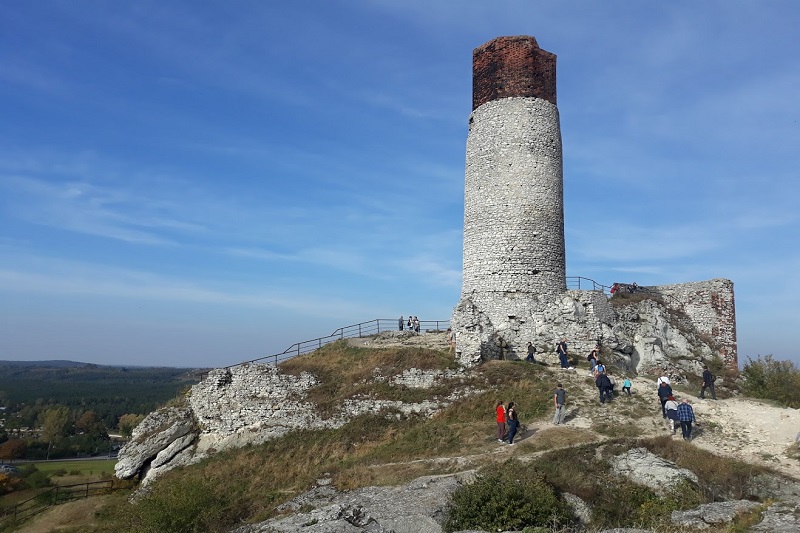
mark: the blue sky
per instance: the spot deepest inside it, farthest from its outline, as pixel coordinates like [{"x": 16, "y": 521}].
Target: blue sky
[{"x": 200, "y": 183}]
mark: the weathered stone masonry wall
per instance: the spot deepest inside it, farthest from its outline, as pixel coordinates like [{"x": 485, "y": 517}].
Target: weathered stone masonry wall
[
  {"x": 711, "y": 307},
  {"x": 513, "y": 199}
]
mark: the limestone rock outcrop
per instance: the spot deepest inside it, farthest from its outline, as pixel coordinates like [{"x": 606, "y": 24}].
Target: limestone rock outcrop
[
  {"x": 713, "y": 514},
  {"x": 653, "y": 330},
  {"x": 254, "y": 403},
  {"x": 160, "y": 436},
  {"x": 417, "y": 507},
  {"x": 645, "y": 468}
]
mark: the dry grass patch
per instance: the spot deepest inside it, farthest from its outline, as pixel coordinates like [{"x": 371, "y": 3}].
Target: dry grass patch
[
  {"x": 617, "y": 429},
  {"x": 345, "y": 371},
  {"x": 559, "y": 437},
  {"x": 721, "y": 477}
]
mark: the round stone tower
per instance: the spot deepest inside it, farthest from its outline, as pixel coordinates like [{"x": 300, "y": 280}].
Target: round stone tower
[
  {"x": 514, "y": 262},
  {"x": 514, "y": 191}
]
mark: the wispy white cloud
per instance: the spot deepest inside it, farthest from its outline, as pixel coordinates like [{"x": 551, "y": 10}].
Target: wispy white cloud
[{"x": 82, "y": 207}]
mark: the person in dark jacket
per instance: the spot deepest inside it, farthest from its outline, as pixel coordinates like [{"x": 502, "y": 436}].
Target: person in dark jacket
[
  {"x": 664, "y": 392},
  {"x": 513, "y": 422},
  {"x": 604, "y": 385},
  {"x": 708, "y": 383}
]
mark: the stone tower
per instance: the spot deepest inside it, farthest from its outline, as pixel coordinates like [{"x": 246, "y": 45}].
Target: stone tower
[{"x": 514, "y": 192}]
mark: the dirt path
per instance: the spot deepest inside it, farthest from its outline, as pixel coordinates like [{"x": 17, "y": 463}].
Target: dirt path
[{"x": 743, "y": 428}]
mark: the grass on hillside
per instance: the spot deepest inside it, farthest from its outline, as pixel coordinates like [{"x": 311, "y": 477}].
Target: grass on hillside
[{"x": 247, "y": 484}]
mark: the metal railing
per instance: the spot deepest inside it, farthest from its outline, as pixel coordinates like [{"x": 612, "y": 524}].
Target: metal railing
[
  {"x": 586, "y": 284},
  {"x": 55, "y": 496},
  {"x": 362, "y": 329}
]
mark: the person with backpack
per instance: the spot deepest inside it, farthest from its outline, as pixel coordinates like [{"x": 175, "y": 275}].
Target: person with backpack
[
  {"x": 708, "y": 383},
  {"x": 599, "y": 368},
  {"x": 513, "y": 422}
]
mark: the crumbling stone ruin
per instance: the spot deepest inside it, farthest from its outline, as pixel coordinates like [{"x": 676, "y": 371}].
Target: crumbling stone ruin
[
  {"x": 514, "y": 286},
  {"x": 514, "y": 290}
]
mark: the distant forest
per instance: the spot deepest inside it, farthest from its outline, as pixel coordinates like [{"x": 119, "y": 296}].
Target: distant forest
[{"x": 108, "y": 391}]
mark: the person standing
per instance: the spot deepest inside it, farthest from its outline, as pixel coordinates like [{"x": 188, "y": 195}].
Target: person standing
[
  {"x": 592, "y": 358},
  {"x": 561, "y": 349},
  {"x": 416, "y": 324},
  {"x": 664, "y": 392},
  {"x": 513, "y": 422},
  {"x": 560, "y": 400},
  {"x": 686, "y": 417},
  {"x": 531, "y": 358},
  {"x": 500, "y": 411},
  {"x": 708, "y": 383},
  {"x": 401, "y": 323},
  {"x": 451, "y": 340}
]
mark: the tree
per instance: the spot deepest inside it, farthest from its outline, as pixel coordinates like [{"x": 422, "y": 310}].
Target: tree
[
  {"x": 13, "y": 449},
  {"x": 91, "y": 424},
  {"x": 766, "y": 377},
  {"x": 127, "y": 422},
  {"x": 55, "y": 424}
]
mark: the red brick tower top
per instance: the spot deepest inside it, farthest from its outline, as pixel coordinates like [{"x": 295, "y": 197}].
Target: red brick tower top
[{"x": 512, "y": 66}]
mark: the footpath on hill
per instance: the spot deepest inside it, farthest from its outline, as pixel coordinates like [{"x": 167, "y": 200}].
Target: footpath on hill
[
  {"x": 747, "y": 429},
  {"x": 742, "y": 428}
]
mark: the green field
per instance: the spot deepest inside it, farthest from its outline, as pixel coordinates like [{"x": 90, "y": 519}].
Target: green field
[{"x": 93, "y": 467}]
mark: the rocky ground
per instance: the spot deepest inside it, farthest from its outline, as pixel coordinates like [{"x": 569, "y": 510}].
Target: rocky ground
[{"x": 741, "y": 428}]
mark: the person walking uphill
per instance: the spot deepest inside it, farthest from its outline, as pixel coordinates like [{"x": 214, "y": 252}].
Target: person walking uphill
[
  {"x": 686, "y": 417},
  {"x": 500, "y": 410},
  {"x": 561, "y": 349},
  {"x": 708, "y": 383},
  {"x": 664, "y": 392},
  {"x": 604, "y": 385},
  {"x": 560, "y": 400},
  {"x": 513, "y": 422}
]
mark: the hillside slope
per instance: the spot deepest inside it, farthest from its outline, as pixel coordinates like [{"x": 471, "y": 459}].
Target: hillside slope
[{"x": 385, "y": 431}]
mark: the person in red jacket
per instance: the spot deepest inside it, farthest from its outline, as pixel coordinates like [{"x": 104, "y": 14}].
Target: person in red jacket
[{"x": 500, "y": 409}]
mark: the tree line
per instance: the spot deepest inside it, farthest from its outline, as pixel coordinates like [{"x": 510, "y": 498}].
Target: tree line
[{"x": 67, "y": 412}]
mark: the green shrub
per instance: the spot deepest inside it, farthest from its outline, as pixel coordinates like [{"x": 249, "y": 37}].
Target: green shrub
[
  {"x": 772, "y": 380},
  {"x": 37, "y": 480},
  {"x": 181, "y": 506},
  {"x": 506, "y": 497}
]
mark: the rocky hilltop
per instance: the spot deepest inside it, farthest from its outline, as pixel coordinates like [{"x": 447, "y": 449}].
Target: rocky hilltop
[{"x": 252, "y": 404}]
